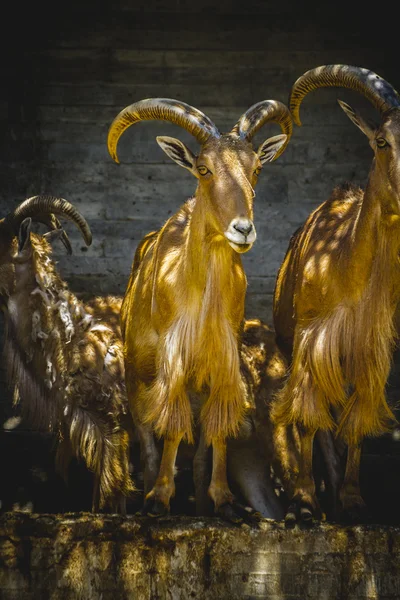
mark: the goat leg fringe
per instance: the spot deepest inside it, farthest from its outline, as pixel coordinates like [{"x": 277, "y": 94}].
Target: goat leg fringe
[
  {"x": 223, "y": 412},
  {"x": 300, "y": 401},
  {"x": 105, "y": 453},
  {"x": 168, "y": 410},
  {"x": 365, "y": 414}
]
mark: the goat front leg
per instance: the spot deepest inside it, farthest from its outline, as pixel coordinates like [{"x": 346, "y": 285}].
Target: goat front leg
[
  {"x": 334, "y": 469},
  {"x": 224, "y": 503},
  {"x": 149, "y": 455},
  {"x": 354, "y": 509},
  {"x": 304, "y": 504},
  {"x": 201, "y": 478},
  {"x": 158, "y": 499}
]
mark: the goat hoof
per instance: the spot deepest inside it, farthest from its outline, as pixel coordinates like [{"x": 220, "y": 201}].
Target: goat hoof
[
  {"x": 154, "y": 508},
  {"x": 303, "y": 513},
  {"x": 291, "y": 516},
  {"x": 237, "y": 513},
  {"x": 306, "y": 514}
]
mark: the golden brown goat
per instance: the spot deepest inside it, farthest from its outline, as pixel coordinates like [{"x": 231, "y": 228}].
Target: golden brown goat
[
  {"x": 64, "y": 358},
  {"x": 183, "y": 308},
  {"x": 336, "y": 297}
]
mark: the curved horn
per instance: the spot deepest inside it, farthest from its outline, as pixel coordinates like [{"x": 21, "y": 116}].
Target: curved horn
[
  {"x": 161, "y": 109},
  {"x": 259, "y": 114},
  {"x": 37, "y": 206},
  {"x": 378, "y": 91}
]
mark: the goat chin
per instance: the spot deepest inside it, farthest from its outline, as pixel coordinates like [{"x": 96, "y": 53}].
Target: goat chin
[{"x": 240, "y": 248}]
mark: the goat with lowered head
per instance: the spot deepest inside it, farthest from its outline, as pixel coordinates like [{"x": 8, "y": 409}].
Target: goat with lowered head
[
  {"x": 64, "y": 359},
  {"x": 183, "y": 308},
  {"x": 336, "y": 298}
]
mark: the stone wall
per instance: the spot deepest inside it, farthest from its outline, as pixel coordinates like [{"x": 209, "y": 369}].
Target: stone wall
[{"x": 88, "y": 557}]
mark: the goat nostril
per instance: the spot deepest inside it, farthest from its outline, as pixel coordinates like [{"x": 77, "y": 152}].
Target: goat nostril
[{"x": 242, "y": 228}]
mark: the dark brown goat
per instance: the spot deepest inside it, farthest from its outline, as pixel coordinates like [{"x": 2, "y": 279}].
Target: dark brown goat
[
  {"x": 263, "y": 457},
  {"x": 253, "y": 461},
  {"x": 336, "y": 298},
  {"x": 64, "y": 358}
]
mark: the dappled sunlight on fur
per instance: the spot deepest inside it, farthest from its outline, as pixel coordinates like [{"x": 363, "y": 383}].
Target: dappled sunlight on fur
[
  {"x": 338, "y": 289},
  {"x": 187, "y": 352},
  {"x": 183, "y": 308},
  {"x": 66, "y": 360},
  {"x": 331, "y": 351}
]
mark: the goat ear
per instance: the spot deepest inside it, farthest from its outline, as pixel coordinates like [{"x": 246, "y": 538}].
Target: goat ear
[
  {"x": 366, "y": 126},
  {"x": 24, "y": 234},
  {"x": 54, "y": 234},
  {"x": 177, "y": 150},
  {"x": 269, "y": 148}
]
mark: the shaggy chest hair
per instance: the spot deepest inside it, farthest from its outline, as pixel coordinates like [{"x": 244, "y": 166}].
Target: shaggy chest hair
[
  {"x": 202, "y": 342},
  {"x": 199, "y": 351},
  {"x": 343, "y": 360}
]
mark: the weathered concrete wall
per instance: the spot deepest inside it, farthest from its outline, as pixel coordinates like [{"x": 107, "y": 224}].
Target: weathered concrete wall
[
  {"x": 69, "y": 74},
  {"x": 94, "y": 557}
]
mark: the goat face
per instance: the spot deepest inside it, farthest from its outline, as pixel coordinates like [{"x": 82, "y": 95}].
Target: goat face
[
  {"x": 227, "y": 169},
  {"x": 386, "y": 146},
  {"x": 17, "y": 223},
  {"x": 226, "y": 166},
  {"x": 384, "y": 140},
  {"x": 227, "y": 175},
  {"x": 16, "y": 254}
]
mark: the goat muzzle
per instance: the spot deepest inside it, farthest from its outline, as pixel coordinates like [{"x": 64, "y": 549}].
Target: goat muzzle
[{"x": 241, "y": 234}]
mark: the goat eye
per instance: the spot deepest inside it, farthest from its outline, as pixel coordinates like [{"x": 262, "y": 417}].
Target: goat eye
[
  {"x": 203, "y": 170},
  {"x": 381, "y": 142},
  {"x": 257, "y": 171}
]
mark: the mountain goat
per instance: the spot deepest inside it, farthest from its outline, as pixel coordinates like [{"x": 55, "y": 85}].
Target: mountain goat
[
  {"x": 336, "y": 298},
  {"x": 183, "y": 309},
  {"x": 64, "y": 359}
]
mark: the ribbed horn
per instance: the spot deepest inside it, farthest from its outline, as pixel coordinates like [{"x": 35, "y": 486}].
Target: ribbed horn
[
  {"x": 161, "y": 109},
  {"x": 37, "y": 206},
  {"x": 378, "y": 91},
  {"x": 261, "y": 113}
]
